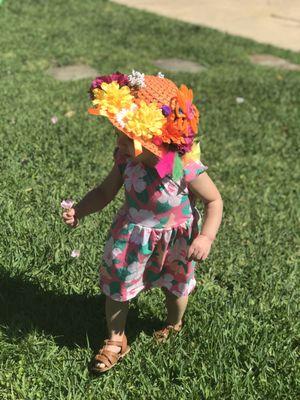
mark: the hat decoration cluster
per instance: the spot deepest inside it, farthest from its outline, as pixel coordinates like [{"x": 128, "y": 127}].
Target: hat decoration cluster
[{"x": 149, "y": 109}]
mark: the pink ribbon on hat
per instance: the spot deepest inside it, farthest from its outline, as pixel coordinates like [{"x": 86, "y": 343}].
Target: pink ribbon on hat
[{"x": 165, "y": 164}]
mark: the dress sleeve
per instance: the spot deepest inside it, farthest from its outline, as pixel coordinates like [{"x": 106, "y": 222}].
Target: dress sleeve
[
  {"x": 192, "y": 170},
  {"x": 120, "y": 160}
]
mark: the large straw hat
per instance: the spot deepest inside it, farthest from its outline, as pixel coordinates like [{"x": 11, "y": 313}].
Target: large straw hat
[{"x": 149, "y": 109}]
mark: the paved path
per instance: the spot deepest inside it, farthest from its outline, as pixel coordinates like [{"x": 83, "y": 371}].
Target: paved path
[{"x": 276, "y": 22}]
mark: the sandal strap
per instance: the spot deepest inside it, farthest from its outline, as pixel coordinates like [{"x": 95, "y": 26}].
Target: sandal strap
[
  {"x": 172, "y": 328},
  {"x": 164, "y": 332},
  {"x": 122, "y": 344},
  {"x": 107, "y": 357}
]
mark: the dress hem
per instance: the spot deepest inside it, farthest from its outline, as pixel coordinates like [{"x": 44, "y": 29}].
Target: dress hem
[{"x": 149, "y": 287}]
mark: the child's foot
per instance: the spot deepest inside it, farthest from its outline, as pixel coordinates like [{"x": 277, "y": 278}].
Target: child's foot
[
  {"x": 110, "y": 354},
  {"x": 163, "y": 334},
  {"x": 113, "y": 349}
]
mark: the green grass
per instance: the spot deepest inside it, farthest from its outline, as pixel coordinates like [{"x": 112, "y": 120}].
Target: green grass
[{"x": 241, "y": 334}]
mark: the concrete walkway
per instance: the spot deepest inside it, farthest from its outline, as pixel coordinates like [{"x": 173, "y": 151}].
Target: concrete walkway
[{"x": 276, "y": 22}]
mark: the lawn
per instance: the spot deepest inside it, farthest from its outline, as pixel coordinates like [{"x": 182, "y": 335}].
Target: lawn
[{"x": 241, "y": 333}]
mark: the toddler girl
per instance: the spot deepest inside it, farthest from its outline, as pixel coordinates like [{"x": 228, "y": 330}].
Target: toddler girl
[{"x": 155, "y": 239}]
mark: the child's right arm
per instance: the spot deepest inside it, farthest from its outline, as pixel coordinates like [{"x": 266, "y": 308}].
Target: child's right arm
[{"x": 96, "y": 199}]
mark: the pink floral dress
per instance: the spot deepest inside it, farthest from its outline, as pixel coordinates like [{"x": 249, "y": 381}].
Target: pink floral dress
[{"x": 149, "y": 239}]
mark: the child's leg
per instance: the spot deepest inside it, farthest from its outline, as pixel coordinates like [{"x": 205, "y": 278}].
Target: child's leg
[
  {"x": 116, "y": 316},
  {"x": 176, "y": 307}
]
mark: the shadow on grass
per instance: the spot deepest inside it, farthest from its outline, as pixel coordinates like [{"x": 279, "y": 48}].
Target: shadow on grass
[{"x": 73, "y": 320}]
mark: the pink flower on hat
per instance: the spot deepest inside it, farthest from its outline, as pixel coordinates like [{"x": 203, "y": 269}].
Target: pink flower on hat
[{"x": 121, "y": 79}]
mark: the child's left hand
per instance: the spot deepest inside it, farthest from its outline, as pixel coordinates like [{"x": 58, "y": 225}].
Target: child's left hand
[{"x": 200, "y": 248}]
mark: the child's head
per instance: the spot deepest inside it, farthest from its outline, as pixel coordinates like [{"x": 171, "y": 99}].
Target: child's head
[
  {"x": 126, "y": 147},
  {"x": 153, "y": 114}
]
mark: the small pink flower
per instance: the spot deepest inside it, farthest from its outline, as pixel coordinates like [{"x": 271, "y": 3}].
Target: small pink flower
[
  {"x": 157, "y": 140},
  {"x": 54, "y": 119},
  {"x": 75, "y": 253},
  {"x": 67, "y": 204}
]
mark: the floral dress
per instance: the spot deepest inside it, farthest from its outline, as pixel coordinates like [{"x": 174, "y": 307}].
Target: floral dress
[{"x": 149, "y": 238}]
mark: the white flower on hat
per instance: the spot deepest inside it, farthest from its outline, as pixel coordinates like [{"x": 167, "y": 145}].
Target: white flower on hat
[
  {"x": 122, "y": 114},
  {"x": 160, "y": 75},
  {"x": 136, "y": 79}
]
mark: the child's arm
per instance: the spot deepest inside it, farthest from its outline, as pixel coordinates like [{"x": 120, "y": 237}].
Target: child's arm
[
  {"x": 96, "y": 199},
  {"x": 204, "y": 188}
]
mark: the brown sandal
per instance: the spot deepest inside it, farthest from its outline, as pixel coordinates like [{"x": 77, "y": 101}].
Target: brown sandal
[
  {"x": 163, "y": 334},
  {"x": 109, "y": 358}
]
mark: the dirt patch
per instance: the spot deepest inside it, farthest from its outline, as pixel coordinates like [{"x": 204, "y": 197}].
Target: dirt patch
[
  {"x": 268, "y": 60},
  {"x": 72, "y": 72}
]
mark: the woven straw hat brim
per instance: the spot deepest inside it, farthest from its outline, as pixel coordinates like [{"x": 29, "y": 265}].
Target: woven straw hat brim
[
  {"x": 157, "y": 150},
  {"x": 156, "y": 89}
]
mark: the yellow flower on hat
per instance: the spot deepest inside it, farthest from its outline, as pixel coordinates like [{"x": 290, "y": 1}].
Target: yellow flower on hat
[
  {"x": 112, "y": 98},
  {"x": 147, "y": 121}
]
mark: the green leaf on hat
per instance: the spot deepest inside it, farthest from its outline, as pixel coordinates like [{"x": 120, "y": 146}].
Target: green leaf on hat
[{"x": 177, "y": 168}]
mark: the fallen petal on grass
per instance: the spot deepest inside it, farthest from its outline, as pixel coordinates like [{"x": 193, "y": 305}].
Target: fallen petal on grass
[
  {"x": 54, "y": 119},
  {"x": 75, "y": 253},
  {"x": 70, "y": 114},
  {"x": 240, "y": 100}
]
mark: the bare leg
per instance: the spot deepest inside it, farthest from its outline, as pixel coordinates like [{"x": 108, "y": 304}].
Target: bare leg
[
  {"x": 116, "y": 316},
  {"x": 176, "y": 307}
]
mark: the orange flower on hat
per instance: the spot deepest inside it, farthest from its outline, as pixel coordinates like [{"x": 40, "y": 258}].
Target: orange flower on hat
[
  {"x": 170, "y": 133},
  {"x": 185, "y": 111}
]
